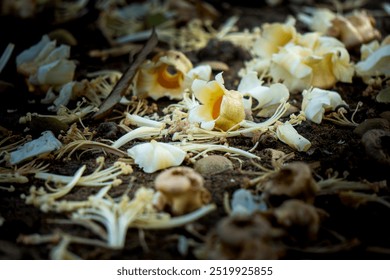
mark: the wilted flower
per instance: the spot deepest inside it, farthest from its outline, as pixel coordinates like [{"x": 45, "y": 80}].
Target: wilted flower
[
  {"x": 316, "y": 101},
  {"x": 46, "y": 64},
  {"x": 155, "y": 156},
  {"x": 164, "y": 75},
  {"x": 168, "y": 74},
  {"x": 265, "y": 96},
  {"x": 300, "y": 60},
  {"x": 375, "y": 60},
  {"x": 220, "y": 108},
  {"x": 352, "y": 29},
  {"x": 321, "y": 65}
]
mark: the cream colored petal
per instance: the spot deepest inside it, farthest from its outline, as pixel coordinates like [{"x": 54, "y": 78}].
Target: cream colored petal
[
  {"x": 249, "y": 82},
  {"x": 367, "y": 49},
  {"x": 313, "y": 104},
  {"x": 199, "y": 114},
  {"x": 56, "y": 73},
  {"x": 288, "y": 135},
  {"x": 232, "y": 110},
  {"x": 155, "y": 156},
  {"x": 208, "y": 93},
  {"x": 208, "y": 125},
  {"x": 202, "y": 72},
  {"x": 316, "y": 101},
  {"x": 342, "y": 68},
  {"x": 273, "y": 37},
  {"x": 219, "y": 79},
  {"x": 291, "y": 59},
  {"x": 317, "y": 19},
  {"x": 322, "y": 75},
  {"x": 377, "y": 63},
  {"x": 288, "y": 66}
]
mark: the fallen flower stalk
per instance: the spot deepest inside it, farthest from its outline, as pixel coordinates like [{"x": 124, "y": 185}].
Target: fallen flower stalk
[
  {"x": 99, "y": 178},
  {"x": 40, "y": 198},
  {"x": 117, "y": 217},
  {"x": 88, "y": 145},
  {"x": 205, "y": 148},
  {"x": 18, "y": 175}
]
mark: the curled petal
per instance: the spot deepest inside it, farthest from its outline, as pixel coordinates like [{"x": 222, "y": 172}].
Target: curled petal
[
  {"x": 220, "y": 107},
  {"x": 55, "y": 73},
  {"x": 231, "y": 110},
  {"x": 377, "y": 63},
  {"x": 155, "y": 156},
  {"x": 273, "y": 37},
  {"x": 316, "y": 101}
]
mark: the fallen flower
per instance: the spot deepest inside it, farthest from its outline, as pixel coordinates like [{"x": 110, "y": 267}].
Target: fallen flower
[
  {"x": 317, "y": 101},
  {"x": 376, "y": 63},
  {"x": 353, "y": 29},
  {"x": 163, "y": 75},
  {"x": 220, "y": 108},
  {"x": 299, "y": 60},
  {"x": 155, "y": 156},
  {"x": 265, "y": 96},
  {"x": 46, "y": 64}
]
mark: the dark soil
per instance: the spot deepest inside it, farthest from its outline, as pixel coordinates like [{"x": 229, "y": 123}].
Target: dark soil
[{"x": 347, "y": 231}]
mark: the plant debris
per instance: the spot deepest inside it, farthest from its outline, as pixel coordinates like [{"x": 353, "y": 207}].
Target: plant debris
[{"x": 236, "y": 132}]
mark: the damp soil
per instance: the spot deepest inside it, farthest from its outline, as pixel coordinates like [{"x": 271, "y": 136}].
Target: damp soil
[{"x": 347, "y": 231}]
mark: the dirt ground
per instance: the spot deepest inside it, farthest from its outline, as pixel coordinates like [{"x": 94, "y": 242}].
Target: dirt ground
[{"x": 351, "y": 227}]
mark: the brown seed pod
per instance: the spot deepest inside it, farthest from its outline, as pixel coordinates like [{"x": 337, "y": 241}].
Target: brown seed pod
[
  {"x": 291, "y": 181},
  {"x": 301, "y": 220},
  {"x": 376, "y": 143},
  {"x": 180, "y": 189},
  {"x": 244, "y": 237}
]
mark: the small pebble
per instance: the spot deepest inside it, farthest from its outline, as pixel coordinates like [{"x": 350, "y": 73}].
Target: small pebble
[
  {"x": 213, "y": 165},
  {"x": 368, "y": 124},
  {"x": 376, "y": 143}
]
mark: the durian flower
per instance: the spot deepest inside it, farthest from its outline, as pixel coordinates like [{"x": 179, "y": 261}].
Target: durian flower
[
  {"x": 273, "y": 37},
  {"x": 352, "y": 29},
  {"x": 220, "y": 108},
  {"x": 288, "y": 135},
  {"x": 165, "y": 76},
  {"x": 322, "y": 65},
  {"x": 155, "y": 156},
  {"x": 316, "y": 101},
  {"x": 46, "y": 64},
  {"x": 265, "y": 96}
]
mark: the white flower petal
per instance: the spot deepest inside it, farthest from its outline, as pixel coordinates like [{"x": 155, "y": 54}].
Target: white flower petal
[
  {"x": 288, "y": 135},
  {"x": 316, "y": 101},
  {"x": 377, "y": 63},
  {"x": 155, "y": 156},
  {"x": 249, "y": 82},
  {"x": 201, "y": 72}
]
